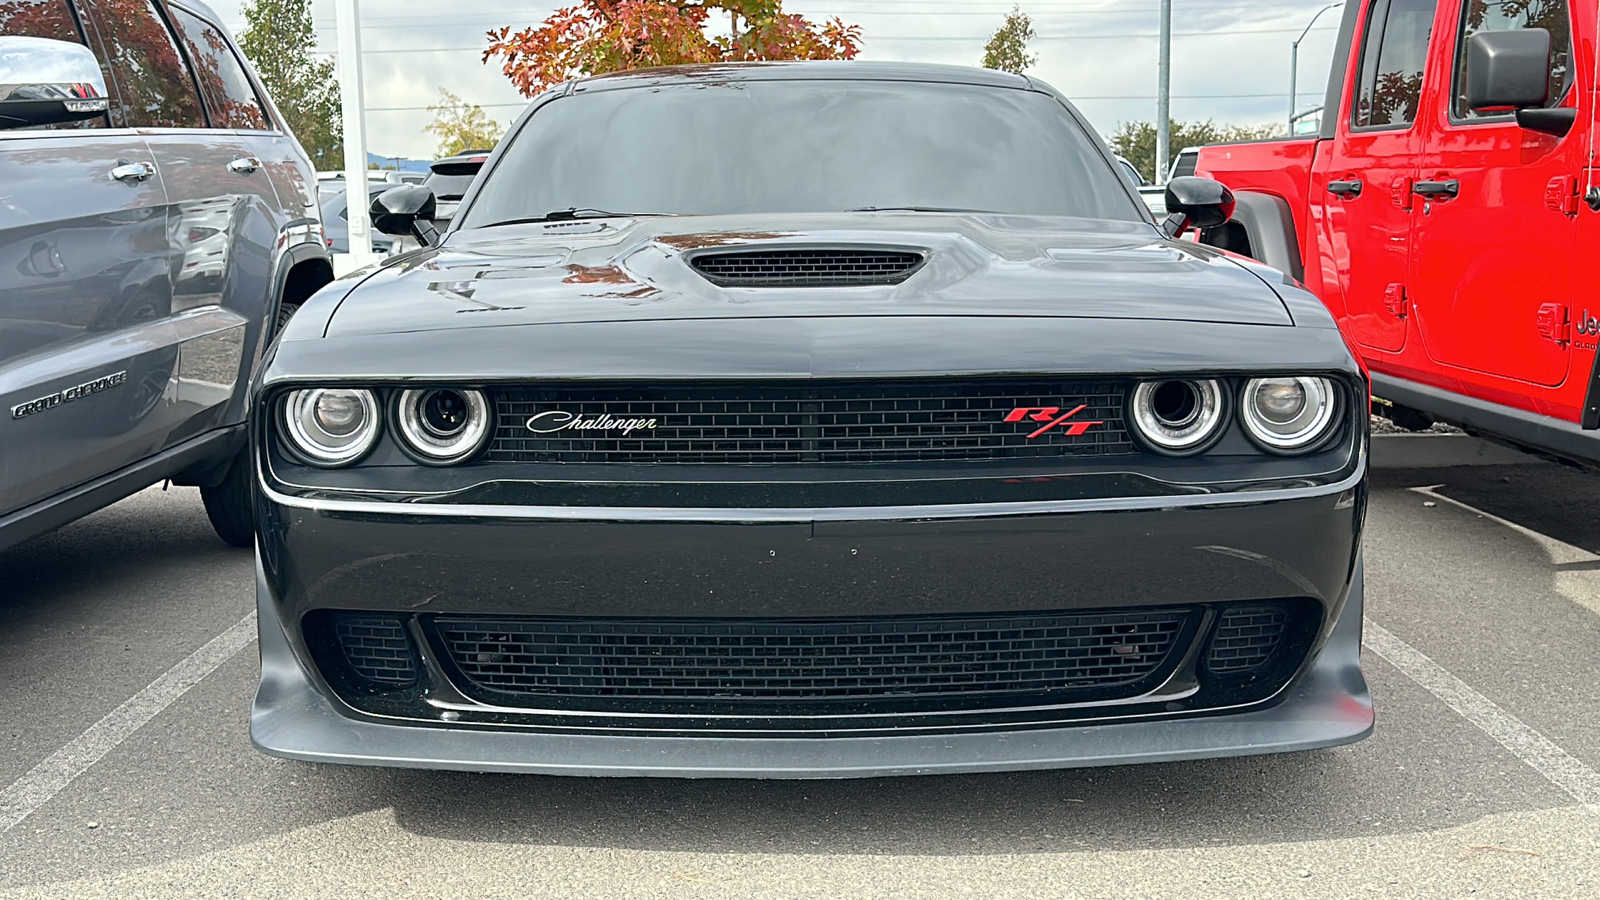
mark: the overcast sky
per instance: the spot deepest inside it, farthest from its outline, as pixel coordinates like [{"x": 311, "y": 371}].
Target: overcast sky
[{"x": 1230, "y": 58}]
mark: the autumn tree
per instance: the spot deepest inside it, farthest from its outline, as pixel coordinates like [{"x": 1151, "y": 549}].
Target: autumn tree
[
  {"x": 602, "y": 36},
  {"x": 280, "y": 43},
  {"x": 461, "y": 126},
  {"x": 1137, "y": 140},
  {"x": 1007, "y": 49}
]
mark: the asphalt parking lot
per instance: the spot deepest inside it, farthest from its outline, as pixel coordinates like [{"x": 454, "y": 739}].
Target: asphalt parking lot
[{"x": 127, "y": 665}]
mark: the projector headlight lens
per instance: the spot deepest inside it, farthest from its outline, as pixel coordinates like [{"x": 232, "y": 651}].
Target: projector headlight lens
[
  {"x": 1289, "y": 415},
  {"x": 443, "y": 426},
  {"x": 330, "y": 426},
  {"x": 1178, "y": 417}
]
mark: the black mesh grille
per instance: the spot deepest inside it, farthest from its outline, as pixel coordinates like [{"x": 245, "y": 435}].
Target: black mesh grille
[
  {"x": 1245, "y": 637},
  {"x": 377, "y": 648},
  {"x": 806, "y": 268},
  {"x": 861, "y": 659},
  {"x": 816, "y": 422}
]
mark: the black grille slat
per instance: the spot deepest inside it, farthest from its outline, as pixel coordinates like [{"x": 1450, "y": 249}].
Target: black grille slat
[
  {"x": 806, "y": 268},
  {"x": 1246, "y": 638},
  {"x": 820, "y": 422},
  {"x": 796, "y": 659},
  {"x": 377, "y": 649}
]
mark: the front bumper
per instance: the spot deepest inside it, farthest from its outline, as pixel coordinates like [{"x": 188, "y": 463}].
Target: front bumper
[{"x": 1292, "y": 543}]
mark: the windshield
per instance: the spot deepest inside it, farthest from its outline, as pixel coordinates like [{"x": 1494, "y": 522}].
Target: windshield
[{"x": 802, "y": 146}]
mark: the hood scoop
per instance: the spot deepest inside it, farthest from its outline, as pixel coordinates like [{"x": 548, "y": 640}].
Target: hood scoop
[{"x": 809, "y": 267}]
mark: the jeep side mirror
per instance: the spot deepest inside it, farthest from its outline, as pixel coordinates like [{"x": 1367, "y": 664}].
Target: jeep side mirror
[
  {"x": 1194, "y": 202},
  {"x": 406, "y": 210},
  {"x": 1509, "y": 71},
  {"x": 44, "y": 82}
]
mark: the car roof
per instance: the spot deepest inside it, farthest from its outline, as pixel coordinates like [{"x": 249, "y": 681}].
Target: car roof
[{"x": 803, "y": 70}]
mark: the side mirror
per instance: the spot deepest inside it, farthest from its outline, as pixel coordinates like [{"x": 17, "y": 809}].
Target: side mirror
[
  {"x": 406, "y": 210},
  {"x": 43, "y": 82},
  {"x": 1195, "y": 202},
  {"x": 1510, "y": 70}
]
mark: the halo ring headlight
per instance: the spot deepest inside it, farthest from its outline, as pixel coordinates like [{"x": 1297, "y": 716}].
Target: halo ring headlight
[
  {"x": 443, "y": 426},
  {"x": 1178, "y": 417},
  {"x": 1292, "y": 414},
  {"x": 330, "y": 427}
]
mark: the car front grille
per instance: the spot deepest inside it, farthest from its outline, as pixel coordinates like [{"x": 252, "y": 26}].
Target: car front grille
[
  {"x": 722, "y": 663},
  {"x": 1246, "y": 637},
  {"x": 808, "y": 422},
  {"x": 377, "y": 648},
  {"x": 806, "y": 268}
]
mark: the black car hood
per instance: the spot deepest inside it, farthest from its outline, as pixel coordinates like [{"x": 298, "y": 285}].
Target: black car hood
[{"x": 635, "y": 269}]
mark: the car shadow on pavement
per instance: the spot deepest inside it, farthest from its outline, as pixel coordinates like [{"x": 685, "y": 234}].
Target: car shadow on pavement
[
  {"x": 1300, "y": 796},
  {"x": 151, "y": 534}
]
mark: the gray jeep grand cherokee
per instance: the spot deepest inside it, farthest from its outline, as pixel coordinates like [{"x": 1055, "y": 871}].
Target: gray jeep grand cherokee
[{"x": 157, "y": 224}]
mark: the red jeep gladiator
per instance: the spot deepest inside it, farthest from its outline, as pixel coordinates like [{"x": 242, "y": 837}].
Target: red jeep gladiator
[{"x": 1441, "y": 210}]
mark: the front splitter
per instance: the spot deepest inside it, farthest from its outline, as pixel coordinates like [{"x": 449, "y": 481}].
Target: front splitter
[{"x": 1327, "y": 705}]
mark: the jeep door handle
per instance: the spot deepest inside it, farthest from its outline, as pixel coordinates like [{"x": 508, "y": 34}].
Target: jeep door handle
[
  {"x": 1437, "y": 190},
  {"x": 244, "y": 165},
  {"x": 132, "y": 172},
  {"x": 1345, "y": 189}
]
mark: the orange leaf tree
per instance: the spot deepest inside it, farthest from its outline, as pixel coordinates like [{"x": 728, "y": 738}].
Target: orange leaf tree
[{"x": 602, "y": 36}]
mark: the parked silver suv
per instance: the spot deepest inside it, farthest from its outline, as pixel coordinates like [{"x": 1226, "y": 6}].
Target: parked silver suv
[{"x": 157, "y": 225}]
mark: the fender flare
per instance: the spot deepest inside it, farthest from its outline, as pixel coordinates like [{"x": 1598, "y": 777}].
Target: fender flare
[
  {"x": 1263, "y": 229},
  {"x": 294, "y": 256}
]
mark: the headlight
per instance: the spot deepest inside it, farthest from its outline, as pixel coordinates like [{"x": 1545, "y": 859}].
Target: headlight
[
  {"x": 1178, "y": 417},
  {"x": 1288, "y": 415},
  {"x": 443, "y": 425},
  {"x": 330, "y": 426}
]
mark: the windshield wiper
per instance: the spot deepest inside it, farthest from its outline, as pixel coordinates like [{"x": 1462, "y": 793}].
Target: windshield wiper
[
  {"x": 561, "y": 215},
  {"x": 932, "y": 209}
]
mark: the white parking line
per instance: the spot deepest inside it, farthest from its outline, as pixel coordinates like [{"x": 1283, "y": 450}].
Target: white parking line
[
  {"x": 25, "y": 795},
  {"x": 1558, "y": 766}
]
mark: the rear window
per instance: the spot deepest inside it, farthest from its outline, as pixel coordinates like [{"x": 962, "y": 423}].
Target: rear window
[
  {"x": 230, "y": 99},
  {"x": 151, "y": 81},
  {"x": 1393, "y": 57},
  {"x": 448, "y": 187},
  {"x": 711, "y": 148}
]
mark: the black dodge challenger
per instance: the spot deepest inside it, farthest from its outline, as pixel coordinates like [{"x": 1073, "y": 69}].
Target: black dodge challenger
[{"x": 808, "y": 420}]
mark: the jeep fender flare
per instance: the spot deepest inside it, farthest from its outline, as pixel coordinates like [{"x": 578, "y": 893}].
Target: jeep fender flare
[{"x": 1263, "y": 229}]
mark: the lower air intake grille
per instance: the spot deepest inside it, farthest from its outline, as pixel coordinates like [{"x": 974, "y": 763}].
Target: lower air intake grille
[
  {"x": 806, "y": 268},
  {"x": 859, "y": 659},
  {"x": 378, "y": 649},
  {"x": 1246, "y": 637}
]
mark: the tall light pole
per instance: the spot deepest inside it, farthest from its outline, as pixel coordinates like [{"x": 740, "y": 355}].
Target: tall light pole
[
  {"x": 1164, "y": 94},
  {"x": 355, "y": 131},
  {"x": 1294, "y": 63}
]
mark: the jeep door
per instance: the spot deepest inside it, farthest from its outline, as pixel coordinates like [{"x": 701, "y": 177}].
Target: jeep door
[
  {"x": 1495, "y": 245},
  {"x": 85, "y": 292},
  {"x": 223, "y": 214},
  {"x": 1372, "y": 164}
]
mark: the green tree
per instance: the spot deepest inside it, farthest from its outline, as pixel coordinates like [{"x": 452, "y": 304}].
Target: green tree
[
  {"x": 1007, "y": 49},
  {"x": 280, "y": 42},
  {"x": 1137, "y": 140},
  {"x": 461, "y": 126}
]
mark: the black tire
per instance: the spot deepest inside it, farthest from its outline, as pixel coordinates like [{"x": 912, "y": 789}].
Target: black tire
[
  {"x": 286, "y": 312},
  {"x": 231, "y": 505}
]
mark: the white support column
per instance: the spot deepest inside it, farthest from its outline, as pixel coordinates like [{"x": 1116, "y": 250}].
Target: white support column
[{"x": 355, "y": 131}]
